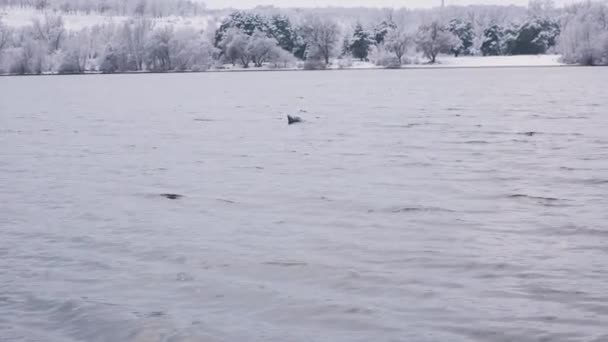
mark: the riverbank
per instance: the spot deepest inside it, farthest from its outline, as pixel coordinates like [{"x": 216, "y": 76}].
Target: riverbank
[{"x": 443, "y": 62}]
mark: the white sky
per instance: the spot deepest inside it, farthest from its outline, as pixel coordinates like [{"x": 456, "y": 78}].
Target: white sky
[{"x": 355, "y": 3}]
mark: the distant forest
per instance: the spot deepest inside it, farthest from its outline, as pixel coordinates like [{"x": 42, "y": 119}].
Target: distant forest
[{"x": 137, "y": 38}]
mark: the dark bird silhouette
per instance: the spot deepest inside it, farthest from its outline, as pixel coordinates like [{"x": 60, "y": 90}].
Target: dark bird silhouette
[{"x": 293, "y": 119}]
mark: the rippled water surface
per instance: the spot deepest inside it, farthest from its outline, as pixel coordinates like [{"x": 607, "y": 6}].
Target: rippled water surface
[{"x": 418, "y": 205}]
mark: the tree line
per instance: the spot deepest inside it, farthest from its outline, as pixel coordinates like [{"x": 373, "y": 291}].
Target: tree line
[
  {"x": 152, "y": 8},
  {"x": 280, "y": 40}
]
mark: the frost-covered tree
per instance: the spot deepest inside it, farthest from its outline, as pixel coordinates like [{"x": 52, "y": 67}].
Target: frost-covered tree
[
  {"x": 492, "y": 42},
  {"x": 281, "y": 29},
  {"x": 189, "y": 50},
  {"x": 6, "y": 34},
  {"x": 398, "y": 43},
  {"x": 584, "y": 39},
  {"x": 434, "y": 39},
  {"x": 541, "y": 8},
  {"x": 41, "y": 5},
  {"x": 75, "y": 53},
  {"x": 138, "y": 32},
  {"x": 234, "y": 47},
  {"x": 345, "y": 50},
  {"x": 51, "y": 30},
  {"x": 158, "y": 48},
  {"x": 261, "y": 48},
  {"x": 382, "y": 30},
  {"x": 322, "y": 36},
  {"x": 361, "y": 42},
  {"x": 300, "y": 45},
  {"x": 536, "y": 37},
  {"x": 464, "y": 32},
  {"x": 28, "y": 57},
  {"x": 280, "y": 58},
  {"x": 246, "y": 22}
]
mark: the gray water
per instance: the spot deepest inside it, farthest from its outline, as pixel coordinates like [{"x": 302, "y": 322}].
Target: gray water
[{"x": 419, "y": 205}]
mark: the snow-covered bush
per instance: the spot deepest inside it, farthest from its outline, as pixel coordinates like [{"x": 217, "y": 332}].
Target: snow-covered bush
[
  {"x": 281, "y": 59},
  {"x": 345, "y": 63},
  {"x": 381, "y": 56},
  {"x": 315, "y": 64}
]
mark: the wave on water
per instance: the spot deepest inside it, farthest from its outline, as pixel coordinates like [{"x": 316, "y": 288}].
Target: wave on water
[
  {"x": 545, "y": 201},
  {"x": 417, "y": 209}
]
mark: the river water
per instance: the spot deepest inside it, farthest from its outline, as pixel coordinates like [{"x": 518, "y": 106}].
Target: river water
[{"x": 417, "y": 205}]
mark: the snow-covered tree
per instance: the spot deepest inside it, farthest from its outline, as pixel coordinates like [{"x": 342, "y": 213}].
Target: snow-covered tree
[
  {"x": 234, "y": 47},
  {"x": 281, "y": 29},
  {"x": 190, "y": 51},
  {"x": 398, "y": 42},
  {"x": 158, "y": 48},
  {"x": 51, "y": 30},
  {"x": 361, "y": 42},
  {"x": 541, "y": 8},
  {"x": 345, "y": 50},
  {"x": 28, "y": 57},
  {"x": 261, "y": 48},
  {"x": 434, "y": 39},
  {"x": 280, "y": 58},
  {"x": 6, "y": 34},
  {"x": 75, "y": 53},
  {"x": 584, "y": 39},
  {"x": 535, "y": 37},
  {"x": 322, "y": 36},
  {"x": 382, "y": 29},
  {"x": 464, "y": 32},
  {"x": 493, "y": 40},
  {"x": 246, "y": 22}
]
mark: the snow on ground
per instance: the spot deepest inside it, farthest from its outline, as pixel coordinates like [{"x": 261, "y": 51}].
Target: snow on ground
[
  {"x": 468, "y": 62},
  {"x": 19, "y": 17},
  {"x": 497, "y": 61}
]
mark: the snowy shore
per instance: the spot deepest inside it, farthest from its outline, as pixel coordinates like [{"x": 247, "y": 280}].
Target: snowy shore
[{"x": 443, "y": 62}]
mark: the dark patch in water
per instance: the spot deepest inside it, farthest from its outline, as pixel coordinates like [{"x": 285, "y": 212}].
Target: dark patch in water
[
  {"x": 400, "y": 210},
  {"x": 529, "y": 134},
  {"x": 285, "y": 263},
  {"x": 551, "y": 199},
  {"x": 203, "y": 120},
  {"x": 226, "y": 201},
  {"x": 595, "y": 181},
  {"x": 545, "y": 201},
  {"x": 172, "y": 196},
  {"x": 156, "y": 314},
  {"x": 477, "y": 142}
]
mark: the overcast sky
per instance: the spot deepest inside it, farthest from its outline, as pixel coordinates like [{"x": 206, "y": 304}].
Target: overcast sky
[{"x": 354, "y": 3}]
